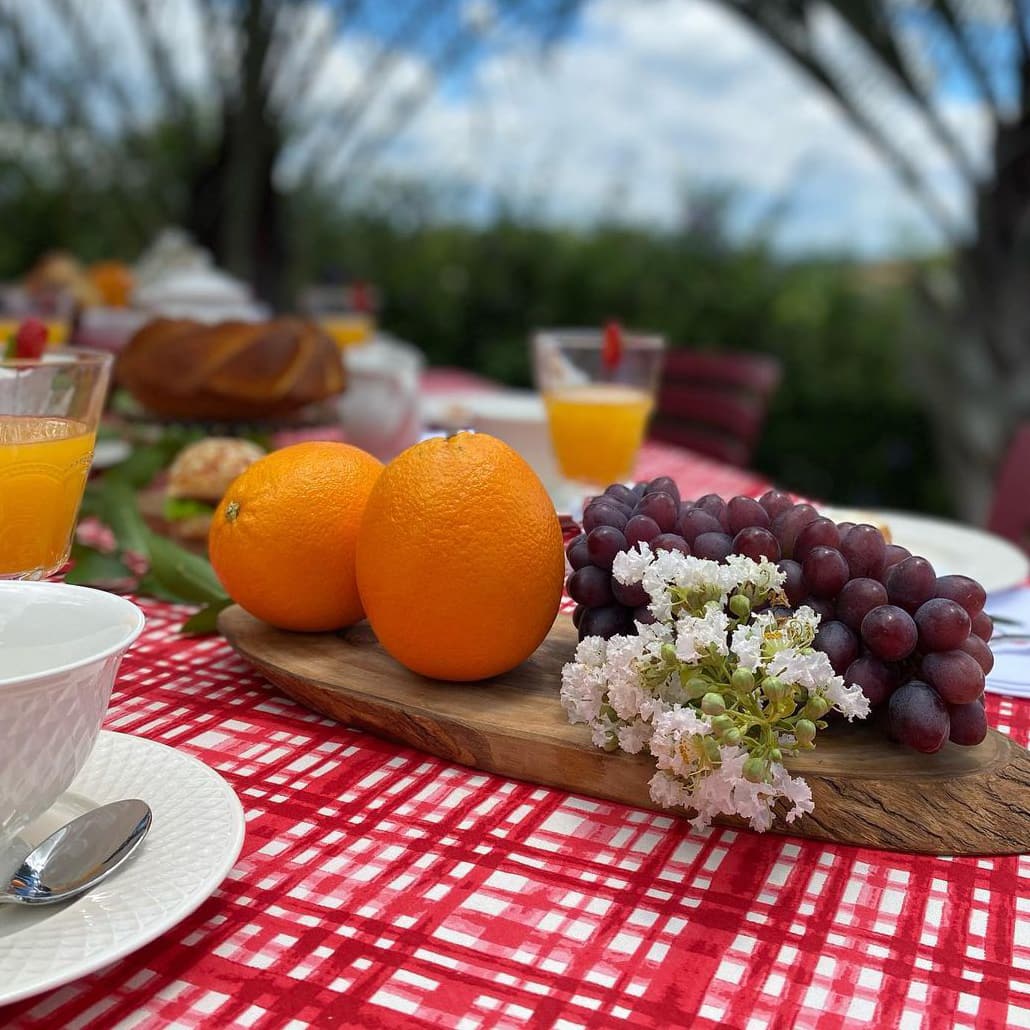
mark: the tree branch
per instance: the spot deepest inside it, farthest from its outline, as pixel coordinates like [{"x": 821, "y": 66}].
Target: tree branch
[{"x": 895, "y": 157}]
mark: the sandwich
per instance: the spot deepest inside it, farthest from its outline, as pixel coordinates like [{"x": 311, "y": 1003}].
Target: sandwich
[{"x": 198, "y": 479}]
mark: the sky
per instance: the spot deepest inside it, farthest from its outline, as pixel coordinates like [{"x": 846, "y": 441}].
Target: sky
[
  {"x": 643, "y": 103},
  {"x": 647, "y": 100}
]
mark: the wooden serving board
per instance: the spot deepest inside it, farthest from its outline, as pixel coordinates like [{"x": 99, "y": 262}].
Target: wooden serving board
[{"x": 867, "y": 791}]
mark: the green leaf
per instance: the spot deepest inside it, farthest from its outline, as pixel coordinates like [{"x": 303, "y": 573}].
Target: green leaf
[
  {"x": 183, "y": 573},
  {"x": 150, "y": 586},
  {"x": 121, "y": 513},
  {"x": 206, "y": 620},
  {"x": 95, "y": 568},
  {"x": 177, "y": 508}
]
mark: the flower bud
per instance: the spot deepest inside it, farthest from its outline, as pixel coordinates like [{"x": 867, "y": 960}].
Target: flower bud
[
  {"x": 804, "y": 731},
  {"x": 742, "y": 681},
  {"x": 711, "y": 747},
  {"x": 733, "y": 736},
  {"x": 740, "y": 606},
  {"x": 755, "y": 769},
  {"x": 721, "y": 725},
  {"x": 816, "y": 707},
  {"x": 775, "y": 755},
  {"x": 774, "y": 688},
  {"x": 668, "y": 653},
  {"x": 697, "y": 687},
  {"x": 713, "y": 704}
]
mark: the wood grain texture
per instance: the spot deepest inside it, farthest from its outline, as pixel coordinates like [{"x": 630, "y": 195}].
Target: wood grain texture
[{"x": 867, "y": 791}]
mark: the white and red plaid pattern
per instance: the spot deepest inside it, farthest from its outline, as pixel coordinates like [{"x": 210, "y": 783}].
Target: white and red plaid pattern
[{"x": 380, "y": 887}]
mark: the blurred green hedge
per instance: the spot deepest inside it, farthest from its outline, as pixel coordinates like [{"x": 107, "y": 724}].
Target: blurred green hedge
[{"x": 845, "y": 426}]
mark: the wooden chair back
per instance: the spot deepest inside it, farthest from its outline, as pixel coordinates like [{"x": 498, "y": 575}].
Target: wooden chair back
[
  {"x": 1010, "y": 507},
  {"x": 714, "y": 402}
]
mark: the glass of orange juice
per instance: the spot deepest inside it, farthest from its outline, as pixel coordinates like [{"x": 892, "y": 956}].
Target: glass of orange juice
[
  {"x": 49, "y": 412},
  {"x": 598, "y": 388}
]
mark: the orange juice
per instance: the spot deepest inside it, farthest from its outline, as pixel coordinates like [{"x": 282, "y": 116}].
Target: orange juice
[
  {"x": 44, "y": 462},
  {"x": 596, "y": 430},
  {"x": 347, "y": 330}
]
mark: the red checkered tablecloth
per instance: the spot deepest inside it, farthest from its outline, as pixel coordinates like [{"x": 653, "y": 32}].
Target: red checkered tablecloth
[{"x": 379, "y": 887}]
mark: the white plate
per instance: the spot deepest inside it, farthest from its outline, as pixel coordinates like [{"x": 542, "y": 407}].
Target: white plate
[
  {"x": 195, "y": 840},
  {"x": 109, "y": 451},
  {"x": 949, "y": 546}
]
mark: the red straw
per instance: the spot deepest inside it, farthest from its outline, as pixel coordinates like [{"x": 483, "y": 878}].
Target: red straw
[{"x": 611, "y": 353}]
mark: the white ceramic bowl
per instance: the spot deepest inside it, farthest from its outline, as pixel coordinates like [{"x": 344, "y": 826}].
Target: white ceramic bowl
[{"x": 60, "y": 648}]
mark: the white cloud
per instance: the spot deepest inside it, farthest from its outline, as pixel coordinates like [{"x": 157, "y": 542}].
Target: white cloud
[{"x": 649, "y": 95}]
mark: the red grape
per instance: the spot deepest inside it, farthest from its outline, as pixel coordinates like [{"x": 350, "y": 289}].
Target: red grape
[
  {"x": 622, "y": 494},
  {"x": 756, "y": 543},
  {"x": 605, "y": 622},
  {"x": 889, "y": 632},
  {"x": 696, "y": 522},
  {"x": 825, "y": 571},
  {"x": 864, "y": 548},
  {"x": 577, "y": 614},
  {"x": 602, "y": 513},
  {"x": 632, "y": 595},
  {"x": 603, "y": 544},
  {"x": 877, "y": 679},
  {"x": 983, "y": 626},
  {"x": 775, "y": 501},
  {"x": 640, "y": 527},
  {"x": 979, "y": 650},
  {"x": 943, "y": 624},
  {"x": 964, "y": 591},
  {"x": 844, "y": 527},
  {"x": 716, "y": 507},
  {"x": 916, "y": 716},
  {"x": 713, "y": 546},
  {"x": 857, "y": 598},
  {"x": 662, "y": 507},
  {"x": 838, "y": 643},
  {"x": 822, "y": 606},
  {"x": 670, "y": 542},
  {"x": 968, "y": 723},
  {"x": 643, "y": 615},
  {"x": 892, "y": 555},
  {"x": 591, "y": 587},
  {"x": 665, "y": 485},
  {"x": 955, "y": 675},
  {"x": 818, "y": 533},
  {"x": 789, "y": 523},
  {"x": 793, "y": 583},
  {"x": 576, "y": 552},
  {"x": 910, "y": 583},
  {"x": 743, "y": 512}
]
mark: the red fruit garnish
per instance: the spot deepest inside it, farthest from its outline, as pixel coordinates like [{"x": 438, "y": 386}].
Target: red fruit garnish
[
  {"x": 30, "y": 340},
  {"x": 611, "y": 353}
]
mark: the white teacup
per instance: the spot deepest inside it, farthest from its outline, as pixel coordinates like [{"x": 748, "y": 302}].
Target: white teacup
[
  {"x": 60, "y": 648},
  {"x": 379, "y": 408}
]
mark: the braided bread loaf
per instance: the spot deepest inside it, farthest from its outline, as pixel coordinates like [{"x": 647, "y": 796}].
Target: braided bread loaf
[{"x": 230, "y": 370}]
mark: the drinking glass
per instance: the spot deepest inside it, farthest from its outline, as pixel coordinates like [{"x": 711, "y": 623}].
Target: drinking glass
[
  {"x": 598, "y": 402},
  {"x": 49, "y": 412}
]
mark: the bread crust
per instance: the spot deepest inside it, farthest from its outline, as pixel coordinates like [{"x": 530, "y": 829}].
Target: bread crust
[{"x": 230, "y": 371}]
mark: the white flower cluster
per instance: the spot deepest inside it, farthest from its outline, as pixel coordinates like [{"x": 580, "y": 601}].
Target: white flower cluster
[{"x": 716, "y": 690}]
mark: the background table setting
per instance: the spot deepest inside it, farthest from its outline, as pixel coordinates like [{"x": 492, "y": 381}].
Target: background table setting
[{"x": 303, "y": 872}]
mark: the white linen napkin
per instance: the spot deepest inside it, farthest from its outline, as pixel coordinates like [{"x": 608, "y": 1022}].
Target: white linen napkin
[{"x": 1011, "y": 672}]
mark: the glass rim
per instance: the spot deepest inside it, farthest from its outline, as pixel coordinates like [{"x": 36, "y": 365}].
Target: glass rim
[
  {"x": 589, "y": 339},
  {"x": 61, "y": 357}
]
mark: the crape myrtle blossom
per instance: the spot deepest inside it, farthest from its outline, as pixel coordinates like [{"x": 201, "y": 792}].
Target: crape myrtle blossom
[{"x": 718, "y": 689}]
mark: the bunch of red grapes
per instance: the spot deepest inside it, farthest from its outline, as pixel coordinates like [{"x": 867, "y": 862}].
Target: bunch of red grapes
[{"x": 915, "y": 642}]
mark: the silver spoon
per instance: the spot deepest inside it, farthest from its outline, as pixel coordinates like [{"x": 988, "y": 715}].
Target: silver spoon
[{"x": 79, "y": 855}]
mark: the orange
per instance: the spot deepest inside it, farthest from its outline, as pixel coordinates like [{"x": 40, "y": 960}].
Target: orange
[
  {"x": 114, "y": 281},
  {"x": 460, "y": 560},
  {"x": 283, "y": 538}
]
